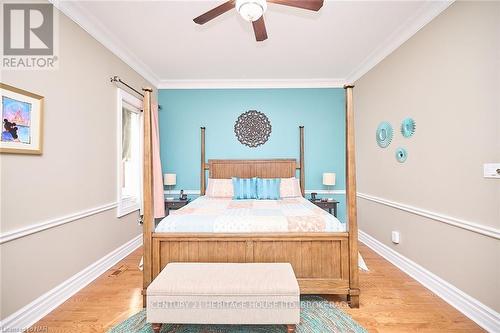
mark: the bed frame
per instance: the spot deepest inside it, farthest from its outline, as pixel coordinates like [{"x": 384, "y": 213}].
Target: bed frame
[{"x": 324, "y": 263}]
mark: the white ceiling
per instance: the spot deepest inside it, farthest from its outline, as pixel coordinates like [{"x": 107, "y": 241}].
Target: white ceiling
[{"x": 327, "y": 48}]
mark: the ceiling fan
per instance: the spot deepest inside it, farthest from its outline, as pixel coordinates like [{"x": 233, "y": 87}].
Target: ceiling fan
[{"x": 253, "y": 11}]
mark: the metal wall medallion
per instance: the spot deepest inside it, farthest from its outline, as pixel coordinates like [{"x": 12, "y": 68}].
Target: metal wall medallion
[
  {"x": 401, "y": 155},
  {"x": 384, "y": 134},
  {"x": 408, "y": 126},
  {"x": 252, "y": 128}
]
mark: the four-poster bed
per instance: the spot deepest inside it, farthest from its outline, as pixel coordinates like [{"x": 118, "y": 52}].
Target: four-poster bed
[{"x": 324, "y": 262}]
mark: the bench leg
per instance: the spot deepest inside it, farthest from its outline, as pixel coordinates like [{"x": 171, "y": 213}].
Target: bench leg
[
  {"x": 156, "y": 327},
  {"x": 290, "y": 328}
]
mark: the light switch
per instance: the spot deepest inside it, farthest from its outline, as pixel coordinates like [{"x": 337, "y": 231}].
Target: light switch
[
  {"x": 395, "y": 237},
  {"x": 492, "y": 170}
]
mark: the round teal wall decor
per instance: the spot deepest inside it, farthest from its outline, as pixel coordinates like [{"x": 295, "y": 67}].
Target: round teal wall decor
[
  {"x": 408, "y": 127},
  {"x": 401, "y": 155},
  {"x": 384, "y": 134}
]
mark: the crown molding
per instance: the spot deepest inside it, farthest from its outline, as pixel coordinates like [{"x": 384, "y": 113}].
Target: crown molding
[
  {"x": 251, "y": 83},
  {"x": 77, "y": 13},
  {"x": 429, "y": 11}
]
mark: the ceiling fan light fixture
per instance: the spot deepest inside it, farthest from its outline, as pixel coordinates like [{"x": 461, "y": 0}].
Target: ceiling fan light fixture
[{"x": 251, "y": 10}]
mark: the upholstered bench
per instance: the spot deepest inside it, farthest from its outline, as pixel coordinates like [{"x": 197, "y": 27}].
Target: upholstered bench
[{"x": 232, "y": 293}]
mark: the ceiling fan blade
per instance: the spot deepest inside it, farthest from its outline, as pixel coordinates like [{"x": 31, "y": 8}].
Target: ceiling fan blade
[
  {"x": 259, "y": 27},
  {"x": 304, "y": 4},
  {"x": 211, "y": 14}
]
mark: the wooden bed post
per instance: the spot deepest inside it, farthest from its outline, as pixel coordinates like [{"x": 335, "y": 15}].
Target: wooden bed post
[
  {"x": 302, "y": 166},
  {"x": 147, "y": 185},
  {"x": 353, "y": 296},
  {"x": 202, "y": 171}
]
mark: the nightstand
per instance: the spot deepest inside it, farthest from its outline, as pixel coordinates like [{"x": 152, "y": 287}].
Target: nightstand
[
  {"x": 174, "y": 204},
  {"x": 330, "y": 205}
]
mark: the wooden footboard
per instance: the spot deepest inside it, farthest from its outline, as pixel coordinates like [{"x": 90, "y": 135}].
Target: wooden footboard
[{"x": 320, "y": 261}]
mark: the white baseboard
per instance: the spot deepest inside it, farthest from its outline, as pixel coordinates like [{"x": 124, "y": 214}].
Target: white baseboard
[
  {"x": 43, "y": 305},
  {"x": 484, "y": 316}
]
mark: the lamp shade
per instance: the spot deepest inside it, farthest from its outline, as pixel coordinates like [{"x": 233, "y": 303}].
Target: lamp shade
[
  {"x": 169, "y": 179},
  {"x": 329, "y": 178}
]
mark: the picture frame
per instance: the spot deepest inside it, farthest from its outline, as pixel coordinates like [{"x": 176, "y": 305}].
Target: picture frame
[{"x": 22, "y": 121}]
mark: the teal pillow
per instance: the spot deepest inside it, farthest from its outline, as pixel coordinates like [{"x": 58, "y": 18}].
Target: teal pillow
[
  {"x": 268, "y": 188},
  {"x": 244, "y": 188}
]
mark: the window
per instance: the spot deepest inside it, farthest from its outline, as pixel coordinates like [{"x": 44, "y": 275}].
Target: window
[{"x": 130, "y": 131}]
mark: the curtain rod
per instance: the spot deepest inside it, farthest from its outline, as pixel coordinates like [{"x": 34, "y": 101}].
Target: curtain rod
[{"x": 117, "y": 79}]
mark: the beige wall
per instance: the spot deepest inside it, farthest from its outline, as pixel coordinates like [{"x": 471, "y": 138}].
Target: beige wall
[
  {"x": 447, "y": 77},
  {"x": 76, "y": 172}
]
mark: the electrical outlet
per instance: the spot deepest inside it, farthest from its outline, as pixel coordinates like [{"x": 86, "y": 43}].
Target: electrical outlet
[{"x": 395, "y": 236}]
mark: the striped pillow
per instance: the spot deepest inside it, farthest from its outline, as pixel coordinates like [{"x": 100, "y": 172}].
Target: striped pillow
[
  {"x": 268, "y": 188},
  {"x": 244, "y": 188}
]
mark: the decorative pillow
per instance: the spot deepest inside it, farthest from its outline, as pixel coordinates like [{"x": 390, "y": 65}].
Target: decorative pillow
[
  {"x": 290, "y": 188},
  {"x": 268, "y": 188},
  {"x": 219, "y": 188},
  {"x": 244, "y": 188}
]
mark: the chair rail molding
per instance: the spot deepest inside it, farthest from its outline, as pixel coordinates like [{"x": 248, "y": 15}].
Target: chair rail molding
[
  {"x": 38, "y": 227},
  {"x": 40, "y": 307},
  {"x": 197, "y": 192},
  {"x": 456, "y": 222},
  {"x": 334, "y": 192},
  {"x": 483, "y": 315}
]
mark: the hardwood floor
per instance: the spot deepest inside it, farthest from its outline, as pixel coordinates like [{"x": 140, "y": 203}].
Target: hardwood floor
[{"x": 390, "y": 302}]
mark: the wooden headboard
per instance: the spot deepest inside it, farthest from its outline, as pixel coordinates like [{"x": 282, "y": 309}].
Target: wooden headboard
[
  {"x": 267, "y": 168},
  {"x": 274, "y": 168}
]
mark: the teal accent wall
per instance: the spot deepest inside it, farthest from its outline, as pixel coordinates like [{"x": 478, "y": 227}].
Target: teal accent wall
[{"x": 321, "y": 111}]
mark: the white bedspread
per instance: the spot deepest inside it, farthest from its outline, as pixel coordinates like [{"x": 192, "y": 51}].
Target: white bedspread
[{"x": 225, "y": 215}]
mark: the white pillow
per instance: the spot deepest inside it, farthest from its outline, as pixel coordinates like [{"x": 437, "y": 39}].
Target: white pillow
[
  {"x": 219, "y": 188},
  {"x": 290, "y": 188}
]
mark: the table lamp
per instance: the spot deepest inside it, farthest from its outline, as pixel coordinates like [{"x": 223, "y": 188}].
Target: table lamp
[
  {"x": 169, "y": 180},
  {"x": 329, "y": 180}
]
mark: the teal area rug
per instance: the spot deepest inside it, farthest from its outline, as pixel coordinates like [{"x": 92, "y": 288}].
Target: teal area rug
[{"x": 316, "y": 315}]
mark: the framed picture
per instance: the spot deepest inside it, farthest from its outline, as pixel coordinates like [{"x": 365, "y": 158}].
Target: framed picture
[{"x": 22, "y": 121}]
